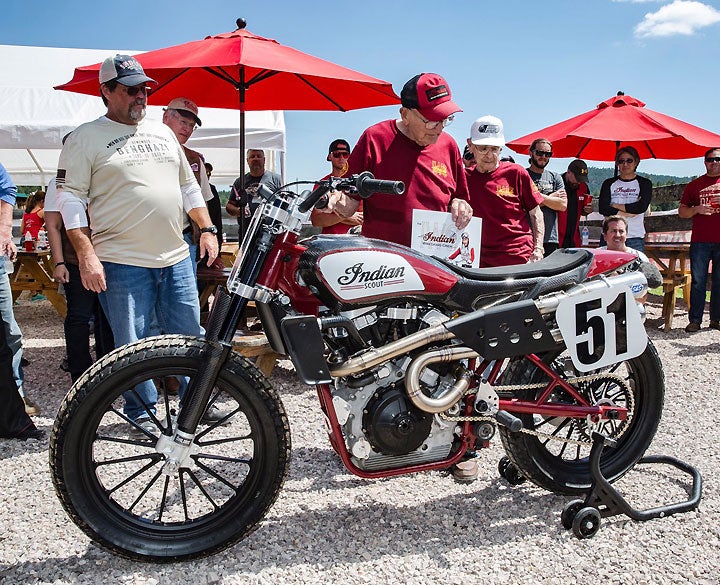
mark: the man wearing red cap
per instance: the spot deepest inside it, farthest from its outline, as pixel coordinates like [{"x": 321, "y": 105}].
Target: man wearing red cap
[{"x": 415, "y": 150}]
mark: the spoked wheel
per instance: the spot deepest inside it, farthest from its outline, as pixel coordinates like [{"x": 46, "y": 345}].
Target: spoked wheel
[
  {"x": 557, "y": 458},
  {"x": 111, "y": 476}
]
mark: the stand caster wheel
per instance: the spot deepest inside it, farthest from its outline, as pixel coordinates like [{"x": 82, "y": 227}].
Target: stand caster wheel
[
  {"x": 509, "y": 472},
  {"x": 586, "y": 523},
  {"x": 570, "y": 511}
]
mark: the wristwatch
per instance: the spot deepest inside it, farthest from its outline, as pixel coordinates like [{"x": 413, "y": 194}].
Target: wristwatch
[{"x": 212, "y": 230}]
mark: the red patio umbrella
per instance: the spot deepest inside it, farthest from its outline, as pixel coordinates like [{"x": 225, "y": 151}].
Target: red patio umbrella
[
  {"x": 622, "y": 121},
  {"x": 240, "y": 70}
]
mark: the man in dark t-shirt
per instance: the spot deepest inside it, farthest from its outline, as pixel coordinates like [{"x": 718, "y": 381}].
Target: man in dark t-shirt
[{"x": 243, "y": 201}]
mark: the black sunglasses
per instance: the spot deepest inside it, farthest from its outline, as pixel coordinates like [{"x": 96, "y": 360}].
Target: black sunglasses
[
  {"x": 469, "y": 156},
  {"x": 547, "y": 153},
  {"x": 712, "y": 159},
  {"x": 136, "y": 89},
  {"x": 625, "y": 161}
]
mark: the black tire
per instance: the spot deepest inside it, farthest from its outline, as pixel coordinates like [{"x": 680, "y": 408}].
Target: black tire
[
  {"x": 565, "y": 469},
  {"x": 214, "y": 500},
  {"x": 586, "y": 523},
  {"x": 569, "y": 512}
]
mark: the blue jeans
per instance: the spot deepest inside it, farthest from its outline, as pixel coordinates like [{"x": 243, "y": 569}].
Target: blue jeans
[
  {"x": 13, "y": 335},
  {"x": 636, "y": 244},
  {"x": 193, "y": 251},
  {"x": 135, "y": 298},
  {"x": 701, "y": 254}
]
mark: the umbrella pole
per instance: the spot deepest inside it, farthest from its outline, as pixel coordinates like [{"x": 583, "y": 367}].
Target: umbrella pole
[{"x": 241, "y": 96}]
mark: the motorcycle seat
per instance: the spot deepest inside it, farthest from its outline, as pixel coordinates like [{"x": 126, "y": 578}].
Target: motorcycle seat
[
  {"x": 479, "y": 287},
  {"x": 558, "y": 262}
]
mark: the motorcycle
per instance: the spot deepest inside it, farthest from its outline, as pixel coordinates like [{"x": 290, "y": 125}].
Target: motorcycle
[{"x": 417, "y": 364}]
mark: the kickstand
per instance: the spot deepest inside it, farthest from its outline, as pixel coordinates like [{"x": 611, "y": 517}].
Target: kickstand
[{"x": 603, "y": 500}]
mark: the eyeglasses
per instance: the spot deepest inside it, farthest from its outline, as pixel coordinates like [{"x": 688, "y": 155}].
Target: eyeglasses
[
  {"x": 547, "y": 153},
  {"x": 340, "y": 154},
  {"x": 625, "y": 161},
  {"x": 136, "y": 89},
  {"x": 184, "y": 121},
  {"x": 712, "y": 159},
  {"x": 432, "y": 125}
]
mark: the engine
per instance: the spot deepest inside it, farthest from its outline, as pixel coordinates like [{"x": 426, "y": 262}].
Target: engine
[{"x": 381, "y": 427}]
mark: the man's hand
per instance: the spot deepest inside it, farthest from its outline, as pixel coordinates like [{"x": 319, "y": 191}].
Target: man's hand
[
  {"x": 537, "y": 254},
  {"x": 232, "y": 208},
  {"x": 61, "y": 274},
  {"x": 461, "y": 213},
  {"x": 7, "y": 248},
  {"x": 340, "y": 204},
  {"x": 705, "y": 210},
  {"x": 92, "y": 273},
  {"x": 208, "y": 247}
]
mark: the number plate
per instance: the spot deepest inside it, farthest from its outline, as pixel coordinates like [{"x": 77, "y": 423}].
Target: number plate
[{"x": 601, "y": 327}]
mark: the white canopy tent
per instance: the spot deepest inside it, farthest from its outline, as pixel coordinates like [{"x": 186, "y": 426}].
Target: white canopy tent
[{"x": 34, "y": 117}]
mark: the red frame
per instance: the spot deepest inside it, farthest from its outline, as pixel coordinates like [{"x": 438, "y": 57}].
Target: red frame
[{"x": 467, "y": 438}]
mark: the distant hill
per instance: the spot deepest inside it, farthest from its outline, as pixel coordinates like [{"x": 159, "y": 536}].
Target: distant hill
[{"x": 598, "y": 175}]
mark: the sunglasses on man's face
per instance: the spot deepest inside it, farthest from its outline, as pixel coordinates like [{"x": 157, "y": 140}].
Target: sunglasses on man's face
[
  {"x": 547, "y": 153},
  {"x": 340, "y": 153},
  {"x": 625, "y": 161},
  {"x": 712, "y": 159},
  {"x": 136, "y": 89},
  {"x": 468, "y": 156}
]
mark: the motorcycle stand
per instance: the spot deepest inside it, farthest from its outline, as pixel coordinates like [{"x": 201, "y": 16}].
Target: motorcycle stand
[{"x": 603, "y": 500}]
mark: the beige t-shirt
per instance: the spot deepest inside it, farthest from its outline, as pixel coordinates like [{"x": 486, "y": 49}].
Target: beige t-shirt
[{"x": 130, "y": 177}]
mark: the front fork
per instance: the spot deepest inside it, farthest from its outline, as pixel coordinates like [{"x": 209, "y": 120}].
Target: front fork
[{"x": 221, "y": 326}]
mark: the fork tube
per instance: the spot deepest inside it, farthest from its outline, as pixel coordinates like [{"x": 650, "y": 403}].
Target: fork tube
[{"x": 218, "y": 344}]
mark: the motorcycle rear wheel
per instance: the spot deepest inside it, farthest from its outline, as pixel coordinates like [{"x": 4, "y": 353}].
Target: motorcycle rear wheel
[
  {"x": 564, "y": 468},
  {"x": 108, "y": 475}
]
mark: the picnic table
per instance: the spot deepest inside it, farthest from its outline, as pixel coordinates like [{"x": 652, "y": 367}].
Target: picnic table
[
  {"x": 671, "y": 252},
  {"x": 33, "y": 271}
]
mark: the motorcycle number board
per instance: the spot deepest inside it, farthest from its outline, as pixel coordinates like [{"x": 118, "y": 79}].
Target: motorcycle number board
[{"x": 601, "y": 327}]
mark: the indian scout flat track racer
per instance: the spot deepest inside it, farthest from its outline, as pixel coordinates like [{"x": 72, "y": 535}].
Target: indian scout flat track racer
[{"x": 416, "y": 362}]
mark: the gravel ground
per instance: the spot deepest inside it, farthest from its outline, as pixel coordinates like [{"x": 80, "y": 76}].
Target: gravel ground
[{"x": 329, "y": 526}]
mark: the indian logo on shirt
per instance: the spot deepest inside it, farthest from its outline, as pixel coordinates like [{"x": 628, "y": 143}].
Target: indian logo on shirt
[
  {"x": 439, "y": 168},
  {"x": 505, "y": 191}
]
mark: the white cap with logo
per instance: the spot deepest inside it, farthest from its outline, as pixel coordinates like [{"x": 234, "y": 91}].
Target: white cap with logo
[{"x": 487, "y": 131}]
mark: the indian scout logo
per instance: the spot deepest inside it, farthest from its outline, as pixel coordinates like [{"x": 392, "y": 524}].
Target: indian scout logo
[{"x": 360, "y": 274}]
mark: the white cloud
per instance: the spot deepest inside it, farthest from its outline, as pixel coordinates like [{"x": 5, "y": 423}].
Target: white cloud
[{"x": 682, "y": 17}]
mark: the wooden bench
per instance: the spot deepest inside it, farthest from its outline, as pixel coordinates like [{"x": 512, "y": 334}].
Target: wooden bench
[
  {"x": 669, "y": 296},
  {"x": 670, "y": 251},
  {"x": 256, "y": 345}
]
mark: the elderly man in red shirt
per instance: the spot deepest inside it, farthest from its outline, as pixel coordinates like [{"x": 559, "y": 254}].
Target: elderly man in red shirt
[
  {"x": 504, "y": 195},
  {"x": 415, "y": 150}
]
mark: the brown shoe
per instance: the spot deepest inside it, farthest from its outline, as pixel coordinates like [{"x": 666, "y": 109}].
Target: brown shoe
[
  {"x": 466, "y": 471},
  {"x": 31, "y": 409},
  {"x": 692, "y": 327},
  {"x": 714, "y": 324},
  {"x": 171, "y": 385}
]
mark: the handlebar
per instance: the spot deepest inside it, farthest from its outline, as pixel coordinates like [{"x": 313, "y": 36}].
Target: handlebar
[{"x": 364, "y": 185}]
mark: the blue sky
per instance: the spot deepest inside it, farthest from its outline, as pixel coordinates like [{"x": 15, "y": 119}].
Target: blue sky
[{"x": 530, "y": 63}]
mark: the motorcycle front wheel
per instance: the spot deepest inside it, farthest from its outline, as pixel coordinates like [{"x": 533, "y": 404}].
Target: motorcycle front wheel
[
  {"x": 555, "y": 454},
  {"x": 112, "y": 480}
]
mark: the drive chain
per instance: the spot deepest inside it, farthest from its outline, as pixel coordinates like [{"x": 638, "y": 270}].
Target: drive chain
[{"x": 573, "y": 381}]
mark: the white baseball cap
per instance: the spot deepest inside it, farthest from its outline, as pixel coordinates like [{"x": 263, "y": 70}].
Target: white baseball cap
[{"x": 487, "y": 131}]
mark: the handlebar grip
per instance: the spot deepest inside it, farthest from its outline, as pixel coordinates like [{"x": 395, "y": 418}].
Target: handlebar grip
[
  {"x": 366, "y": 185},
  {"x": 313, "y": 198},
  {"x": 265, "y": 192}
]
